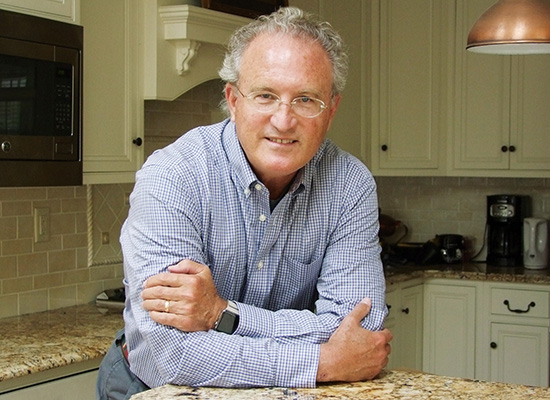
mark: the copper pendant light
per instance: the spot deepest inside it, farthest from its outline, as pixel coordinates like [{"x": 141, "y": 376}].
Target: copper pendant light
[{"x": 512, "y": 27}]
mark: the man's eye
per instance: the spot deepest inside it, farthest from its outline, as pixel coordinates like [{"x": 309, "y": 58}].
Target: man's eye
[
  {"x": 304, "y": 99},
  {"x": 264, "y": 97}
]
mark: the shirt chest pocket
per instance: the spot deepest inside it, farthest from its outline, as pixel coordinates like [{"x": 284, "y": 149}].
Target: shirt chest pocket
[{"x": 296, "y": 283}]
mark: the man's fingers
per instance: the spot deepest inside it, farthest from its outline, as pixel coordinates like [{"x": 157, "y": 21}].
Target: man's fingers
[
  {"x": 361, "y": 310},
  {"x": 186, "y": 267}
]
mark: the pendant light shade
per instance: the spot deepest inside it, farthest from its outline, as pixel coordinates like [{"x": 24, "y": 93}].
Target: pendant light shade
[{"x": 512, "y": 27}]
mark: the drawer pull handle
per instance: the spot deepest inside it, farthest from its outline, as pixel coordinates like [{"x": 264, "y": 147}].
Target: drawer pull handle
[
  {"x": 517, "y": 310},
  {"x": 405, "y": 310}
]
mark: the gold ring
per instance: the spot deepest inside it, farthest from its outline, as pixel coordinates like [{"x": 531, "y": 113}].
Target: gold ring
[{"x": 166, "y": 306}]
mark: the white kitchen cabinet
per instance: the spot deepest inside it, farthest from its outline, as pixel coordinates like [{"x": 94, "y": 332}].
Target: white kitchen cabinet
[
  {"x": 81, "y": 387},
  {"x": 113, "y": 90},
  {"x": 518, "y": 346},
  {"x": 405, "y": 304},
  {"x": 410, "y": 59},
  {"x": 64, "y": 11},
  {"x": 450, "y": 328},
  {"x": 501, "y": 108}
]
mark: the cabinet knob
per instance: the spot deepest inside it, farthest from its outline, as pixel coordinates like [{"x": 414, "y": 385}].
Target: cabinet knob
[
  {"x": 405, "y": 310},
  {"x": 493, "y": 345},
  {"x": 504, "y": 149},
  {"x": 512, "y": 149},
  {"x": 137, "y": 141},
  {"x": 384, "y": 147}
]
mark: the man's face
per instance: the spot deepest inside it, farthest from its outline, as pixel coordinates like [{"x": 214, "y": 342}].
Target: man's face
[{"x": 278, "y": 144}]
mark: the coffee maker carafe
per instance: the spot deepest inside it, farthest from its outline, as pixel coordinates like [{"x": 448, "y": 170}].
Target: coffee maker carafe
[{"x": 505, "y": 214}]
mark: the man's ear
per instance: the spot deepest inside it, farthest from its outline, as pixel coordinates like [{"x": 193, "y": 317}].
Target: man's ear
[{"x": 230, "y": 98}]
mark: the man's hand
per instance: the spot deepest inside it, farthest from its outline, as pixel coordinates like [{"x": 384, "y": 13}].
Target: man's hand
[
  {"x": 185, "y": 298},
  {"x": 353, "y": 353}
]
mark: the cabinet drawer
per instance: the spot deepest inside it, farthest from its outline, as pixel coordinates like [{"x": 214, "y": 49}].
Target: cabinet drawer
[{"x": 527, "y": 303}]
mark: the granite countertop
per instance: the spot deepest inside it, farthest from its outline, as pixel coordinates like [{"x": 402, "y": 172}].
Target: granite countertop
[
  {"x": 389, "y": 385},
  {"x": 34, "y": 343},
  {"x": 467, "y": 271}
]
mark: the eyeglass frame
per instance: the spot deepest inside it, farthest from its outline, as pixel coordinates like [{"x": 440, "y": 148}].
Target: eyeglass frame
[{"x": 280, "y": 101}]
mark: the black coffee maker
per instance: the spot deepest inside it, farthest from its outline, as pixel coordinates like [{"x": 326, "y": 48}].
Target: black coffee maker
[{"x": 505, "y": 214}]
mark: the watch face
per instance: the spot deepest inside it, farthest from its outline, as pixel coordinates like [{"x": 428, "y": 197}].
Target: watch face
[{"x": 228, "y": 322}]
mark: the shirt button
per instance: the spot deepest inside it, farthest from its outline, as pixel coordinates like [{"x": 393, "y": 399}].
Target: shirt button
[
  {"x": 263, "y": 217},
  {"x": 247, "y": 191},
  {"x": 260, "y": 265},
  {"x": 258, "y": 187}
]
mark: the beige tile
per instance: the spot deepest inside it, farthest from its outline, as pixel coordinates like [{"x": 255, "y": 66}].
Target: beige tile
[
  {"x": 31, "y": 302},
  {"x": 62, "y": 297},
  {"x": 76, "y": 276},
  {"x": 63, "y": 223},
  {"x": 49, "y": 280},
  {"x": 61, "y": 192},
  {"x": 8, "y": 306},
  {"x": 73, "y": 205},
  {"x": 25, "y": 227},
  {"x": 74, "y": 241},
  {"x": 17, "y": 246},
  {"x": 32, "y": 264},
  {"x": 87, "y": 292},
  {"x": 8, "y": 228},
  {"x": 16, "y": 208},
  {"x": 17, "y": 285},
  {"x": 63, "y": 260},
  {"x": 8, "y": 267},
  {"x": 53, "y": 205},
  {"x": 55, "y": 243}
]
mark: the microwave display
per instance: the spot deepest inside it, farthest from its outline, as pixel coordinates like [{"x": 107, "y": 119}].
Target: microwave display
[{"x": 35, "y": 97}]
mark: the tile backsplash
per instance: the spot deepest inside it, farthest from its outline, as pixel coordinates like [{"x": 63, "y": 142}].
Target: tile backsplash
[{"x": 440, "y": 205}]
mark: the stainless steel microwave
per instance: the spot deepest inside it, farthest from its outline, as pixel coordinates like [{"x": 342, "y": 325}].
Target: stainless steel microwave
[{"x": 40, "y": 101}]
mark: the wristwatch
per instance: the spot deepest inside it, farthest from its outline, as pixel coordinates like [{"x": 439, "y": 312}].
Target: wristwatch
[{"x": 229, "y": 319}]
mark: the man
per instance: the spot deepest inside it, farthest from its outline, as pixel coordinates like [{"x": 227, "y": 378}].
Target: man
[{"x": 251, "y": 254}]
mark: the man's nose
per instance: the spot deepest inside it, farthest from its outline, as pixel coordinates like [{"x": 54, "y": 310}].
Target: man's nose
[{"x": 284, "y": 117}]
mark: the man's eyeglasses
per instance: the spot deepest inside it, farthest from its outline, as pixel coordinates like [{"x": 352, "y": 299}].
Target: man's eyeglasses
[{"x": 267, "y": 102}]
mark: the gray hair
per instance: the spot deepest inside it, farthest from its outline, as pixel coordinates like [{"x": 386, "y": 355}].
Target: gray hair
[{"x": 295, "y": 22}]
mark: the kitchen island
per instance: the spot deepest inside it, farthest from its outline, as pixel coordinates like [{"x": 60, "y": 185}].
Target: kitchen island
[{"x": 389, "y": 385}]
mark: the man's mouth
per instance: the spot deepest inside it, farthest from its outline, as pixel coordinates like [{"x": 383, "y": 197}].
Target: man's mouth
[{"x": 281, "y": 141}]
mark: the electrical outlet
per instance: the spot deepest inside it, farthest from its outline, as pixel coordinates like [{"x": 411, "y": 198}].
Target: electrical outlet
[{"x": 41, "y": 224}]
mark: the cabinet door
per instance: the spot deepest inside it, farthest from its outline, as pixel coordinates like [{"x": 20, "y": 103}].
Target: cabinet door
[
  {"x": 81, "y": 387},
  {"x": 530, "y": 118},
  {"x": 405, "y": 322},
  {"x": 482, "y": 99},
  {"x": 113, "y": 105},
  {"x": 411, "y": 327},
  {"x": 409, "y": 55},
  {"x": 65, "y": 11},
  {"x": 449, "y": 330},
  {"x": 519, "y": 354},
  {"x": 393, "y": 302}
]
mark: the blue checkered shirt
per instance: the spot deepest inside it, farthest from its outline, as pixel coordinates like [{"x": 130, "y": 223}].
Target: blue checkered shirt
[{"x": 295, "y": 272}]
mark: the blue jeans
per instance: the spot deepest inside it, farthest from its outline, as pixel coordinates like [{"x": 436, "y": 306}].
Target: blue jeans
[{"x": 115, "y": 381}]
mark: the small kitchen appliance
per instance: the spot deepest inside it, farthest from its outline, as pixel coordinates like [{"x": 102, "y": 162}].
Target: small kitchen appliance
[
  {"x": 535, "y": 243},
  {"x": 452, "y": 248},
  {"x": 505, "y": 215}
]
